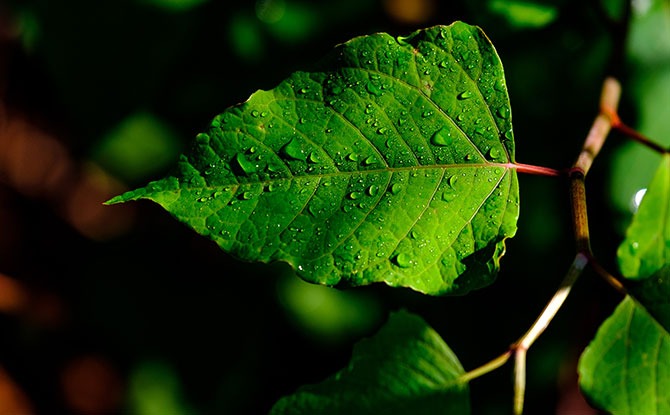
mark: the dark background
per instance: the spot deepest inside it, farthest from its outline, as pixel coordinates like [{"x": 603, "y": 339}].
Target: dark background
[{"x": 123, "y": 310}]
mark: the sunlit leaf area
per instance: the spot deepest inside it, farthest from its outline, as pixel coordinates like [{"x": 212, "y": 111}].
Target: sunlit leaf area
[{"x": 121, "y": 309}]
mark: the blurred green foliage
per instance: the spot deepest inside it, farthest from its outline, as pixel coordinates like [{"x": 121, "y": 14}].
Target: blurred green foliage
[{"x": 111, "y": 79}]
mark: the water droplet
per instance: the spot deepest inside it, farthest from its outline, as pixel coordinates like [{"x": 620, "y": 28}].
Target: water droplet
[
  {"x": 369, "y": 161},
  {"x": 372, "y": 190},
  {"x": 354, "y": 195},
  {"x": 373, "y": 89},
  {"x": 465, "y": 95},
  {"x": 353, "y": 157},
  {"x": 402, "y": 260},
  {"x": 509, "y": 135},
  {"x": 468, "y": 157},
  {"x": 427, "y": 114},
  {"x": 304, "y": 90},
  {"x": 247, "y": 166},
  {"x": 494, "y": 153},
  {"x": 443, "y": 64},
  {"x": 452, "y": 181},
  {"x": 503, "y": 112},
  {"x": 255, "y": 113},
  {"x": 448, "y": 195},
  {"x": 293, "y": 149},
  {"x": 395, "y": 188},
  {"x": 301, "y": 121},
  {"x": 441, "y": 138},
  {"x": 247, "y": 195},
  {"x": 381, "y": 130}
]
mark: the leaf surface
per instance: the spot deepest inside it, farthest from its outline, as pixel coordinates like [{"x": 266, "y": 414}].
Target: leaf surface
[
  {"x": 626, "y": 368},
  {"x": 406, "y": 368},
  {"x": 390, "y": 162}
]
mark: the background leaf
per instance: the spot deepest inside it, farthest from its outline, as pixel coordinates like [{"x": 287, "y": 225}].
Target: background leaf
[
  {"x": 405, "y": 368},
  {"x": 389, "y": 163},
  {"x": 646, "y": 248},
  {"x": 626, "y": 369},
  {"x": 644, "y": 255}
]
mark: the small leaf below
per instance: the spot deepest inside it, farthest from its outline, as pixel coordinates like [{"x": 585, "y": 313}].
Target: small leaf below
[
  {"x": 626, "y": 368},
  {"x": 406, "y": 368}
]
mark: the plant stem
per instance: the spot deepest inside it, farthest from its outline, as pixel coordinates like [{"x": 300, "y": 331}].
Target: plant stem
[
  {"x": 537, "y": 170},
  {"x": 618, "y": 125},
  {"x": 609, "y": 102},
  {"x": 609, "y": 278},
  {"x": 539, "y": 326},
  {"x": 486, "y": 367},
  {"x": 519, "y": 380}
]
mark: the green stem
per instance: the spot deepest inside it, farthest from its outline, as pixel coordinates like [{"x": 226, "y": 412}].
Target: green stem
[{"x": 486, "y": 367}]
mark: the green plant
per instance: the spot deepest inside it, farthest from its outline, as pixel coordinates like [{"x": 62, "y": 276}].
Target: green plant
[{"x": 393, "y": 161}]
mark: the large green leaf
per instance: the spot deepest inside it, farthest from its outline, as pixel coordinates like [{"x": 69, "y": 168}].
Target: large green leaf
[
  {"x": 406, "y": 368},
  {"x": 392, "y": 161},
  {"x": 626, "y": 369}
]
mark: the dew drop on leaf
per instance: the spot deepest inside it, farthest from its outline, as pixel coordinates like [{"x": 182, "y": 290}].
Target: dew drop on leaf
[
  {"x": 503, "y": 112},
  {"x": 294, "y": 150},
  {"x": 395, "y": 188},
  {"x": 247, "y": 166},
  {"x": 314, "y": 158},
  {"x": 465, "y": 95},
  {"x": 372, "y": 190},
  {"x": 354, "y": 195},
  {"x": 441, "y": 138},
  {"x": 402, "y": 260},
  {"x": 353, "y": 157},
  {"x": 452, "y": 181},
  {"x": 494, "y": 153},
  {"x": 369, "y": 160}
]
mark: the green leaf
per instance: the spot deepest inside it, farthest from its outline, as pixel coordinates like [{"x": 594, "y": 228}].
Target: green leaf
[
  {"x": 626, "y": 368},
  {"x": 524, "y": 14},
  {"x": 644, "y": 255},
  {"x": 406, "y": 368},
  {"x": 646, "y": 248},
  {"x": 391, "y": 162}
]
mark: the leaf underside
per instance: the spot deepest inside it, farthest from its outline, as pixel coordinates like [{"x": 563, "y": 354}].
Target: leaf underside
[
  {"x": 406, "y": 368},
  {"x": 390, "y": 162}
]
